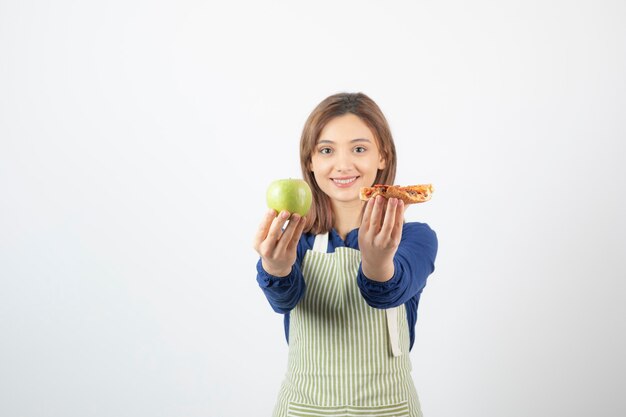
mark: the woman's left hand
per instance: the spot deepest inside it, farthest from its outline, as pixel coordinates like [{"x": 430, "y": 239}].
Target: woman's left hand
[{"x": 379, "y": 237}]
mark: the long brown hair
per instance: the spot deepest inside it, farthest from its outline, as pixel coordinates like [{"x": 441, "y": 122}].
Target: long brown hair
[{"x": 320, "y": 217}]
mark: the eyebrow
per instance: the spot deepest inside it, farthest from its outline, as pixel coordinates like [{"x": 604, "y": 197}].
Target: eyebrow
[{"x": 352, "y": 141}]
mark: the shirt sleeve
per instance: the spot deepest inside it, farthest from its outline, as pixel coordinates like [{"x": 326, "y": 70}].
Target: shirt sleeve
[
  {"x": 413, "y": 262},
  {"x": 283, "y": 293}
]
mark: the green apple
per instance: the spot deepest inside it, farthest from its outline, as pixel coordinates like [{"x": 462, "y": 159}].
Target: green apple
[{"x": 292, "y": 195}]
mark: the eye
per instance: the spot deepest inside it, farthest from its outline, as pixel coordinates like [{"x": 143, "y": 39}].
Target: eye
[
  {"x": 360, "y": 149},
  {"x": 325, "y": 151}
]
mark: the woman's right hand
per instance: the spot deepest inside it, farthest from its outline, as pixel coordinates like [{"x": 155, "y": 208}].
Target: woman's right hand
[{"x": 278, "y": 247}]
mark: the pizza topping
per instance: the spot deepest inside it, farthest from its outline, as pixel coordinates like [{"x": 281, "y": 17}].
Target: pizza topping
[
  {"x": 410, "y": 194},
  {"x": 381, "y": 188}
]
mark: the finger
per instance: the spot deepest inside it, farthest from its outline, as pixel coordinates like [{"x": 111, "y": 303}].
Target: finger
[
  {"x": 377, "y": 211},
  {"x": 390, "y": 217},
  {"x": 396, "y": 233},
  {"x": 285, "y": 238},
  {"x": 296, "y": 234},
  {"x": 367, "y": 214},
  {"x": 264, "y": 227},
  {"x": 277, "y": 225}
]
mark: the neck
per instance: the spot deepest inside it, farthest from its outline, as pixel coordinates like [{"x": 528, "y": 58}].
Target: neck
[{"x": 347, "y": 216}]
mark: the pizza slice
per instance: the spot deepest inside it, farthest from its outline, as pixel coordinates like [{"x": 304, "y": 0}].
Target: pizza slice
[{"x": 410, "y": 194}]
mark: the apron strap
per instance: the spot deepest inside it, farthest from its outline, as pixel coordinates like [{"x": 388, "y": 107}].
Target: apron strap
[
  {"x": 321, "y": 243},
  {"x": 394, "y": 332}
]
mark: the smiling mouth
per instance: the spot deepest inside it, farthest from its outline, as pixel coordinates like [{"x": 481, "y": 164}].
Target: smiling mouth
[{"x": 344, "y": 181}]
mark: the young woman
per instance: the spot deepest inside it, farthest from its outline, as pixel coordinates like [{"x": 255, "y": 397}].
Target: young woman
[{"x": 347, "y": 277}]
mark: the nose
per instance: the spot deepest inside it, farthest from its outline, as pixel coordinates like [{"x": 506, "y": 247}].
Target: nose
[{"x": 344, "y": 162}]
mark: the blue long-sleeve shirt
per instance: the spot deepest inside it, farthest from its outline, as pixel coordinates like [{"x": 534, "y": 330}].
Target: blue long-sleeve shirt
[{"x": 413, "y": 262}]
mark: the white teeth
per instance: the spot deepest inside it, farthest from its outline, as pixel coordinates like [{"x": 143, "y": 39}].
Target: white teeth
[{"x": 348, "y": 181}]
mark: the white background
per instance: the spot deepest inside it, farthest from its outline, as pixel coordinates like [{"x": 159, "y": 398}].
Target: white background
[{"x": 127, "y": 274}]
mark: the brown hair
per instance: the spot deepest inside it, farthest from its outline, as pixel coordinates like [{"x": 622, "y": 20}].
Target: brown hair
[{"x": 320, "y": 217}]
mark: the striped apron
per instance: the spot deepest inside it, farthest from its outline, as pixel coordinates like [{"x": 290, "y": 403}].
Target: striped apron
[{"x": 345, "y": 357}]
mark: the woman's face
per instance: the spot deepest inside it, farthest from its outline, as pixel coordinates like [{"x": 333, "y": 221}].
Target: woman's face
[{"x": 346, "y": 158}]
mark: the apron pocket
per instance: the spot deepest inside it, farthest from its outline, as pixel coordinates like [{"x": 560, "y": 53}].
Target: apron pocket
[{"x": 388, "y": 410}]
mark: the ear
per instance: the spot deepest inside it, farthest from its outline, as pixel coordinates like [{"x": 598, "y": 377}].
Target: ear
[{"x": 381, "y": 163}]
